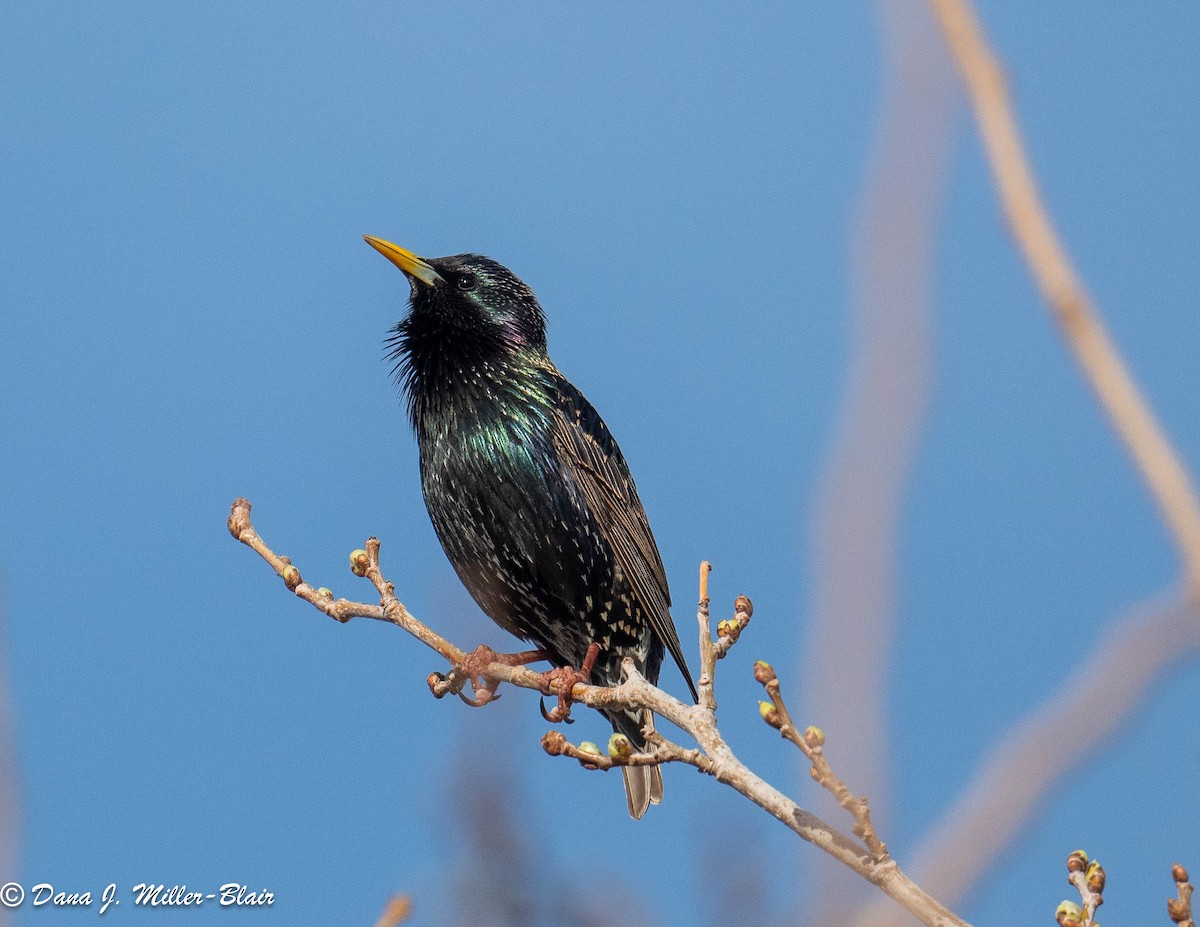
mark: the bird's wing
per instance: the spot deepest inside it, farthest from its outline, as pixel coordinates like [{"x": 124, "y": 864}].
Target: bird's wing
[{"x": 581, "y": 436}]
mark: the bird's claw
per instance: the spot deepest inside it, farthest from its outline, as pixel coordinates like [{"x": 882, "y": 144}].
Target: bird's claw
[
  {"x": 483, "y": 695},
  {"x": 556, "y": 715},
  {"x": 561, "y": 680},
  {"x": 473, "y": 668}
]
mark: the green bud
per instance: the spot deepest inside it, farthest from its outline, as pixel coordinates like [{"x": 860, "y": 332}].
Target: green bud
[
  {"x": 589, "y": 748},
  {"x": 359, "y": 561},
  {"x": 619, "y": 745},
  {"x": 1068, "y": 914}
]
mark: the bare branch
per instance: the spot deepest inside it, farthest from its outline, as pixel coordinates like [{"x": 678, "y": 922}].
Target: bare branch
[
  {"x": 712, "y": 754},
  {"x": 590, "y": 757},
  {"x": 812, "y": 743},
  {"x": 1180, "y": 909},
  {"x": 1088, "y": 878},
  {"x": 1062, "y": 289},
  {"x": 730, "y": 629},
  {"x": 708, "y": 658}
]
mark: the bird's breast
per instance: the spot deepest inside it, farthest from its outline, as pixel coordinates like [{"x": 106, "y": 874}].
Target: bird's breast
[{"x": 513, "y": 524}]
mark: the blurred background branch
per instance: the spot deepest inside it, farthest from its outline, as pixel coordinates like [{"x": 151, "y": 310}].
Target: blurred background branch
[
  {"x": 1048, "y": 262},
  {"x": 856, "y": 527},
  {"x": 1092, "y": 705},
  {"x": 855, "y": 532},
  {"x": 506, "y": 877}
]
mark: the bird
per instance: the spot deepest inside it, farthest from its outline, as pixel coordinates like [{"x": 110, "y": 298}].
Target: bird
[{"x": 526, "y": 487}]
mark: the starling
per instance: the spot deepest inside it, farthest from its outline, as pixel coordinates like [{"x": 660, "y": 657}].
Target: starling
[{"x": 528, "y": 492}]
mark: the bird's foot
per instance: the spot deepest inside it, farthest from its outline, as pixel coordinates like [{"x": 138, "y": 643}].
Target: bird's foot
[
  {"x": 474, "y": 668},
  {"x": 561, "y": 680}
]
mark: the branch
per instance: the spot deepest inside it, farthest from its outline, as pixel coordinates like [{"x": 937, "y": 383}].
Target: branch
[
  {"x": 1088, "y": 878},
  {"x": 712, "y": 754},
  {"x": 1180, "y": 909},
  {"x": 812, "y": 744},
  {"x": 1062, "y": 289}
]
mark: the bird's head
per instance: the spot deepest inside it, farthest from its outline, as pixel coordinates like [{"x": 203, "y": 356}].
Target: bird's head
[
  {"x": 475, "y": 330},
  {"x": 469, "y": 298}
]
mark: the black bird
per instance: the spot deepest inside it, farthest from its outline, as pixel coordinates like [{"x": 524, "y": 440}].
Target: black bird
[{"x": 527, "y": 490}]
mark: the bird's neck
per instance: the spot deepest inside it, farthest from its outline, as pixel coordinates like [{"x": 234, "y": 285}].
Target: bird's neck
[{"x": 453, "y": 381}]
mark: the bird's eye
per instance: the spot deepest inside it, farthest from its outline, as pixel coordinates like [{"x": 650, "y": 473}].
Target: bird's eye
[{"x": 467, "y": 282}]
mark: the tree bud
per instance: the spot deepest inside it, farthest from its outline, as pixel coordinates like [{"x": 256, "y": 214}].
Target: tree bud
[
  {"x": 619, "y": 745},
  {"x": 1068, "y": 914}
]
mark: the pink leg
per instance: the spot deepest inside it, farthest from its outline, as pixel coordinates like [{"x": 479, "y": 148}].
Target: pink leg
[{"x": 562, "y": 680}]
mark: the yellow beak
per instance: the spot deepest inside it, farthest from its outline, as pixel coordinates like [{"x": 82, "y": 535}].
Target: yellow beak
[{"x": 406, "y": 261}]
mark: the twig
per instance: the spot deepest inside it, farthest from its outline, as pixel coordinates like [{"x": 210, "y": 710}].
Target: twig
[
  {"x": 340, "y": 610},
  {"x": 1180, "y": 909},
  {"x": 397, "y": 614},
  {"x": 1062, "y": 289},
  {"x": 1088, "y": 878},
  {"x": 812, "y": 743},
  {"x": 589, "y": 755},
  {"x": 730, "y": 629},
  {"x": 708, "y": 659},
  {"x": 712, "y": 755}
]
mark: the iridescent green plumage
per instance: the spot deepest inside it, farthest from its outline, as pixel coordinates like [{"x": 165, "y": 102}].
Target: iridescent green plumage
[{"x": 526, "y": 487}]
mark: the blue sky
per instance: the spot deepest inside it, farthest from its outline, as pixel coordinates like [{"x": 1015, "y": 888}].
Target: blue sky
[{"x": 191, "y": 315}]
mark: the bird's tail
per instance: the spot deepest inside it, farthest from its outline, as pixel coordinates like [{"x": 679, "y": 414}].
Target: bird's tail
[{"x": 643, "y": 784}]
